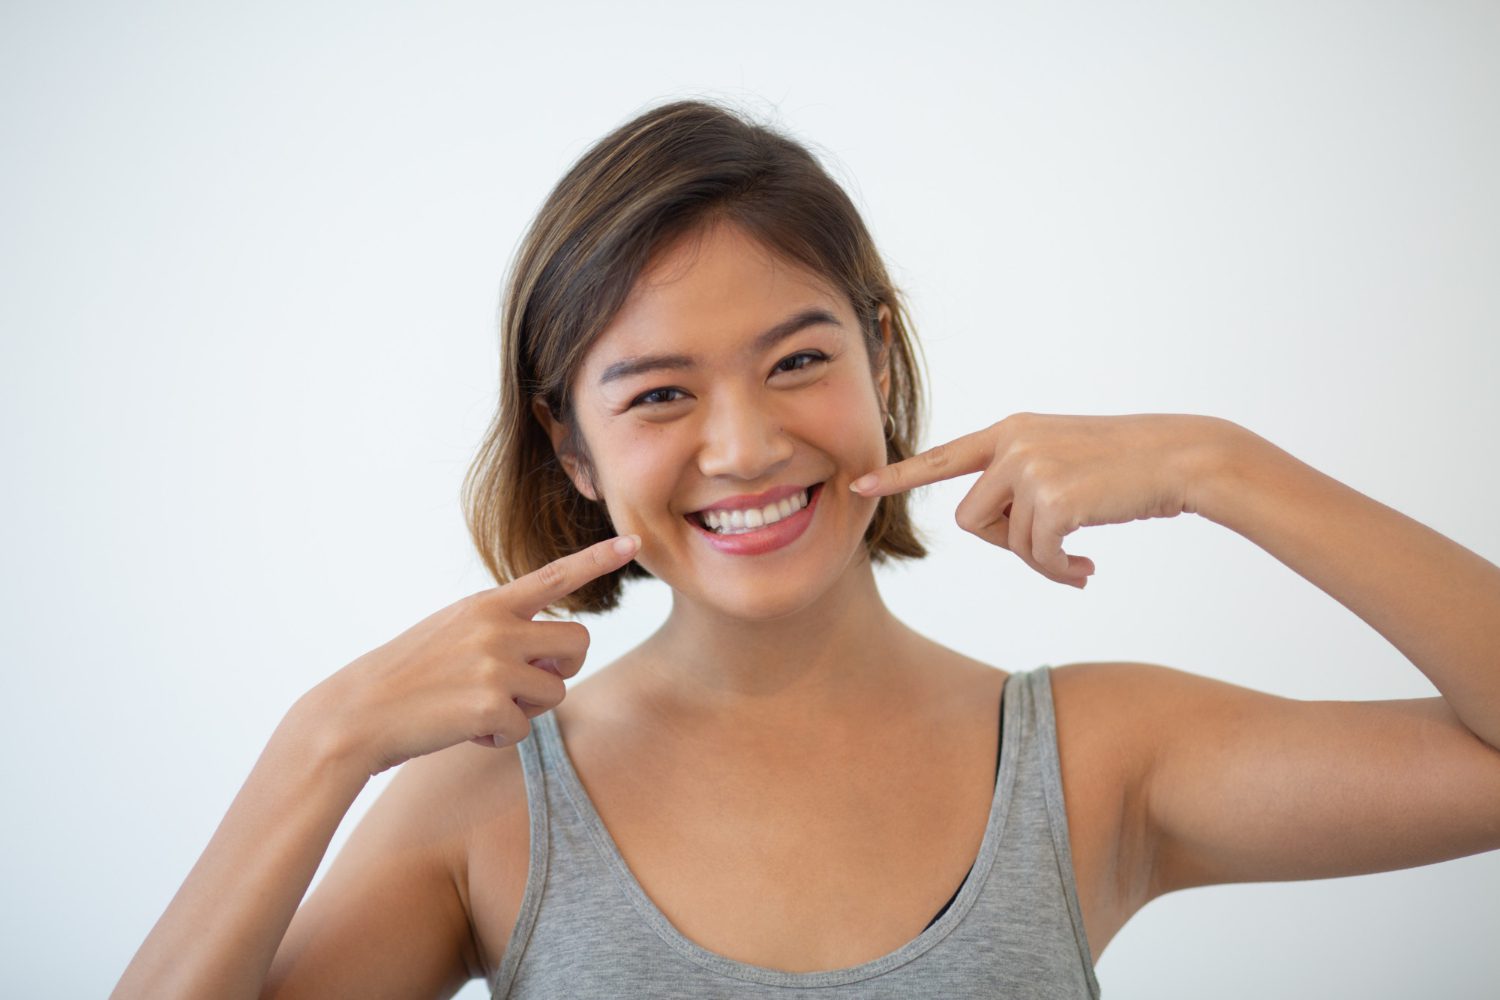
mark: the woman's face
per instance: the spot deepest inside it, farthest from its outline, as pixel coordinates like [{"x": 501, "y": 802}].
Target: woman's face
[{"x": 733, "y": 379}]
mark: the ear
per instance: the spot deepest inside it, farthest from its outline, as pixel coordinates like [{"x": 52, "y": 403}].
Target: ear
[
  {"x": 557, "y": 431},
  {"x": 883, "y": 361}
]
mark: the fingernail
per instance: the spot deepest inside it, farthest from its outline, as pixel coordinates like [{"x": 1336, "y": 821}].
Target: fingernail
[
  {"x": 863, "y": 483},
  {"x": 626, "y": 544}
]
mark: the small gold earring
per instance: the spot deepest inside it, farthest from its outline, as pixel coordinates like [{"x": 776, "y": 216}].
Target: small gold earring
[{"x": 890, "y": 424}]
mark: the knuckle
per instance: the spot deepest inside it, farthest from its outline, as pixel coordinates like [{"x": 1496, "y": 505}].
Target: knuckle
[
  {"x": 1031, "y": 465},
  {"x": 507, "y": 722},
  {"x": 491, "y": 710},
  {"x": 482, "y": 632},
  {"x": 938, "y": 457},
  {"x": 550, "y": 575},
  {"x": 491, "y": 663},
  {"x": 479, "y": 599},
  {"x": 473, "y": 612},
  {"x": 490, "y": 669}
]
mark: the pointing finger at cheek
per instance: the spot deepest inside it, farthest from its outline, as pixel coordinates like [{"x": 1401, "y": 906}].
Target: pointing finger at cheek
[{"x": 970, "y": 453}]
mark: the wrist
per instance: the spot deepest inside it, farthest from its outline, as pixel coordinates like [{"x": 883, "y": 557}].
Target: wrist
[
  {"x": 1219, "y": 467},
  {"x": 315, "y": 732},
  {"x": 1241, "y": 474}
]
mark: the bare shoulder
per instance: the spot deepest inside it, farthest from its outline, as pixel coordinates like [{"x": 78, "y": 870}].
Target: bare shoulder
[
  {"x": 393, "y": 912},
  {"x": 490, "y": 836},
  {"x": 1103, "y": 758}
]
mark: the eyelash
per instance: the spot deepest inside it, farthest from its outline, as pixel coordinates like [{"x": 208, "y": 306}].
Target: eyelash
[{"x": 812, "y": 356}]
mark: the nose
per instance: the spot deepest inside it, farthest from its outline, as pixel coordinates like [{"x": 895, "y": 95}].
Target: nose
[{"x": 743, "y": 439}]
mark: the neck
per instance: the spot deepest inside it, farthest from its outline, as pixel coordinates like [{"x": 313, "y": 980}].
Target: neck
[{"x": 832, "y": 657}]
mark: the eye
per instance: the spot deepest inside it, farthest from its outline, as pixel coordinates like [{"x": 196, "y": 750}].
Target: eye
[
  {"x": 665, "y": 395},
  {"x": 809, "y": 357},
  {"x": 654, "y": 397}
]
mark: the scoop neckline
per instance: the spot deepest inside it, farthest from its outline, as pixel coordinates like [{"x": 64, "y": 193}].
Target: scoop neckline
[{"x": 724, "y": 965}]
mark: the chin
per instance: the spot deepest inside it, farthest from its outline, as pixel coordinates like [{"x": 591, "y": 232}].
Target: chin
[
  {"x": 767, "y": 607},
  {"x": 778, "y": 594}
]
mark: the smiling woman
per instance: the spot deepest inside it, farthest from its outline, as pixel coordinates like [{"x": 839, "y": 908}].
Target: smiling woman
[{"x": 646, "y": 199}]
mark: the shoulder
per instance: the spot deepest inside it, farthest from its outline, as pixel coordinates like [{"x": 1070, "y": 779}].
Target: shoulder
[
  {"x": 1104, "y": 755},
  {"x": 1096, "y": 706},
  {"x": 1114, "y": 704},
  {"x": 458, "y": 788},
  {"x": 473, "y": 800},
  {"x": 1114, "y": 717}
]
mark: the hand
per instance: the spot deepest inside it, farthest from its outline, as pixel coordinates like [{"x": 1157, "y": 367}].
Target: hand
[
  {"x": 478, "y": 670},
  {"x": 1044, "y": 476}
]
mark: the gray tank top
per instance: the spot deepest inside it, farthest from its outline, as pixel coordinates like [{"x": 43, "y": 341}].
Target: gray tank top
[{"x": 587, "y": 929}]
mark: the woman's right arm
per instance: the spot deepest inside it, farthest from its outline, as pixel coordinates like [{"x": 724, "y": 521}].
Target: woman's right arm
[{"x": 477, "y": 670}]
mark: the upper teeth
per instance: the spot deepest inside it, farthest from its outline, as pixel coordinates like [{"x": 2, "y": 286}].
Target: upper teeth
[{"x": 733, "y": 521}]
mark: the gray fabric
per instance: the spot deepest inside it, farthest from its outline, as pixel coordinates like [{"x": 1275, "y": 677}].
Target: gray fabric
[{"x": 586, "y": 928}]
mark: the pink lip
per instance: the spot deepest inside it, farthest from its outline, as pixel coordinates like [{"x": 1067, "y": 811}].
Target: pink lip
[
  {"x": 747, "y": 500},
  {"x": 762, "y": 540}
]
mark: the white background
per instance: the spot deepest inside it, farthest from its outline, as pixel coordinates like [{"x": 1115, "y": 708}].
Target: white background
[{"x": 251, "y": 269}]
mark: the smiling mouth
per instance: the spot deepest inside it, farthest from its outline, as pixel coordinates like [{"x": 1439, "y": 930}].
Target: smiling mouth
[{"x": 742, "y": 522}]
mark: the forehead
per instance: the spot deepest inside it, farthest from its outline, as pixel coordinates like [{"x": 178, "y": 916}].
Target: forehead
[{"x": 711, "y": 290}]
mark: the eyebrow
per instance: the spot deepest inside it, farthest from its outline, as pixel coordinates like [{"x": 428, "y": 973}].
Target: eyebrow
[{"x": 640, "y": 363}]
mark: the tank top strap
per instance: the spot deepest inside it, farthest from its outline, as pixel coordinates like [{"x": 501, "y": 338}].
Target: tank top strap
[
  {"x": 539, "y": 810},
  {"x": 1044, "y": 716}
]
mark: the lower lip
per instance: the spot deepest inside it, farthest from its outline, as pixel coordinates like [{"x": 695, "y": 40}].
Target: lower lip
[{"x": 762, "y": 540}]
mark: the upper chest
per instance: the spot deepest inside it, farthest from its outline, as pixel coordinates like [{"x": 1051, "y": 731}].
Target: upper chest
[{"x": 835, "y": 852}]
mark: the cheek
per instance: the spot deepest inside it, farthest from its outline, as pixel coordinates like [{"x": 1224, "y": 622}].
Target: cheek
[
  {"x": 850, "y": 417},
  {"x": 637, "y": 482}
]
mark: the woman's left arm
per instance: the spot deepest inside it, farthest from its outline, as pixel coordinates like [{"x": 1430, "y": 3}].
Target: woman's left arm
[
  {"x": 1043, "y": 476},
  {"x": 1434, "y": 600}
]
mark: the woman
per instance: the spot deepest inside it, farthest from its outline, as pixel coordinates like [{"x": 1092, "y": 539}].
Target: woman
[{"x": 709, "y": 378}]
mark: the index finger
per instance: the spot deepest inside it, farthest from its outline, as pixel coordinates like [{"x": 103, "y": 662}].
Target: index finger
[
  {"x": 970, "y": 453},
  {"x": 528, "y": 595}
]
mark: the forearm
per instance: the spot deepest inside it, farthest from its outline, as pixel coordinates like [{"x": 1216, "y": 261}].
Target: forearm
[
  {"x": 1434, "y": 600},
  {"x": 220, "y": 933}
]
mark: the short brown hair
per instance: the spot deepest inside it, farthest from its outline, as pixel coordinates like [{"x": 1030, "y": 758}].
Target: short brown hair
[{"x": 665, "y": 174}]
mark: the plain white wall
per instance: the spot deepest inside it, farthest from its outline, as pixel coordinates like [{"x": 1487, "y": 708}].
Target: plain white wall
[{"x": 251, "y": 270}]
